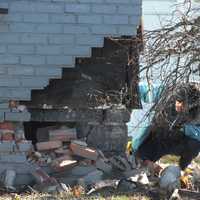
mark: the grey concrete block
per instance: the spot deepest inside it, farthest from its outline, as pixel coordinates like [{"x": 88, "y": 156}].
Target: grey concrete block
[
  {"x": 134, "y": 19},
  {"x": 2, "y": 49},
  {"x": 34, "y": 82},
  {"x": 15, "y": 116},
  {"x": 90, "y": 19},
  {"x": 129, "y": 10},
  {"x": 78, "y": 51},
  {"x": 14, "y": 157},
  {"x": 22, "y": 27},
  {"x": 21, "y": 49},
  {"x": 74, "y": 29},
  {"x": 127, "y": 30},
  {"x": 61, "y": 39},
  {"x": 36, "y": 18},
  {"x": 77, "y": 8},
  {"x": 49, "y": 49},
  {"x": 9, "y": 59},
  {"x": 6, "y": 146},
  {"x": 21, "y": 6},
  {"x": 32, "y": 60},
  {"x": 18, "y": 167},
  {"x": 9, "y": 38},
  {"x": 49, "y": 28},
  {"x": 90, "y": 40},
  {"x": 104, "y": 29},
  {"x": 12, "y": 17},
  {"x": 23, "y": 146},
  {"x": 9, "y": 82},
  {"x": 4, "y": 4},
  {"x": 4, "y": 28},
  {"x": 49, "y": 7},
  {"x": 108, "y": 9},
  {"x": 60, "y": 60},
  {"x": 118, "y": 1},
  {"x": 21, "y": 70},
  {"x": 116, "y": 19},
  {"x": 4, "y": 105},
  {"x": 92, "y": 177},
  {"x": 47, "y": 71},
  {"x": 60, "y": 18},
  {"x": 30, "y": 38},
  {"x": 82, "y": 170}
]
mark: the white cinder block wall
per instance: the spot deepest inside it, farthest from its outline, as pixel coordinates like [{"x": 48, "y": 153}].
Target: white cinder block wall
[{"x": 40, "y": 37}]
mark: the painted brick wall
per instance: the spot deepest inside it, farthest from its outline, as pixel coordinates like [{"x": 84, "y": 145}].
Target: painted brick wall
[{"x": 40, "y": 37}]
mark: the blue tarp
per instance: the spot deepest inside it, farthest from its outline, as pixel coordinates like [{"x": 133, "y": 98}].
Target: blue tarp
[{"x": 139, "y": 128}]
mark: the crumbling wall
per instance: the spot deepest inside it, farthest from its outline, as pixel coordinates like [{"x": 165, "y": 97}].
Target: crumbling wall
[{"x": 38, "y": 38}]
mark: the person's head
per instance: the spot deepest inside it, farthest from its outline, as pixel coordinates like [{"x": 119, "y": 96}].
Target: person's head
[{"x": 179, "y": 106}]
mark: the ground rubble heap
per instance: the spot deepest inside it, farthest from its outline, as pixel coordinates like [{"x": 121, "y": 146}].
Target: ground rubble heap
[{"x": 14, "y": 149}]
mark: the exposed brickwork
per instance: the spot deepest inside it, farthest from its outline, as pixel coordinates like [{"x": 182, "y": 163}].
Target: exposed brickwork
[{"x": 38, "y": 38}]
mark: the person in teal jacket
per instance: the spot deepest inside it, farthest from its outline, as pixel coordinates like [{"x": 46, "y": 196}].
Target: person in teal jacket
[{"x": 181, "y": 137}]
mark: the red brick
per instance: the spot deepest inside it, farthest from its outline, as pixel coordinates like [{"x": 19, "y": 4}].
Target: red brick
[
  {"x": 64, "y": 135},
  {"x": 63, "y": 162},
  {"x": 7, "y": 137},
  {"x": 41, "y": 176},
  {"x": 7, "y": 125},
  {"x": 43, "y": 146},
  {"x": 84, "y": 151},
  {"x": 62, "y": 151}
]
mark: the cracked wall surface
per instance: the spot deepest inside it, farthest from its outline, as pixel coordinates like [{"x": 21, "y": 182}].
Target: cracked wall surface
[{"x": 40, "y": 37}]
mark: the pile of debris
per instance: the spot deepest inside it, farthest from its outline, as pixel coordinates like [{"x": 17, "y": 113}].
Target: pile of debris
[
  {"x": 60, "y": 159},
  {"x": 14, "y": 149},
  {"x": 71, "y": 160}
]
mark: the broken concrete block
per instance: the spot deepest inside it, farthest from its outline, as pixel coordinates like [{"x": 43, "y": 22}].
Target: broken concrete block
[
  {"x": 19, "y": 134},
  {"x": 6, "y": 146},
  {"x": 43, "y": 146},
  {"x": 9, "y": 178},
  {"x": 24, "y": 146},
  {"x": 140, "y": 177},
  {"x": 170, "y": 178},
  {"x": 8, "y": 136},
  {"x": 41, "y": 176},
  {"x": 43, "y": 133},
  {"x": 82, "y": 170},
  {"x": 103, "y": 166},
  {"x": 14, "y": 157},
  {"x": 83, "y": 151},
  {"x": 62, "y": 151},
  {"x": 63, "y": 162},
  {"x": 64, "y": 134},
  {"x": 120, "y": 163},
  {"x": 126, "y": 185},
  {"x": 79, "y": 142},
  {"x": 7, "y": 126},
  {"x": 91, "y": 178}
]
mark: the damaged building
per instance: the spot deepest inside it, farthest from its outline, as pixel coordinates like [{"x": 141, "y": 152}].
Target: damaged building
[{"x": 68, "y": 63}]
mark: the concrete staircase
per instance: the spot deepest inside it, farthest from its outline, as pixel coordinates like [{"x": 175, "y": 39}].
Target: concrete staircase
[{"x": 38, "y": 38}]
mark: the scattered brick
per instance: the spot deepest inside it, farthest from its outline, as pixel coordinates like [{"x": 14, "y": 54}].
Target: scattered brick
[
  {"x": 43, "y": 146},
  {"x": 7, "y": 136},
  {"x": 63, "y": 162},
  {"x": 62, "y": 151},
  {"x": 7, "y": 125},
  {"x": 83, "y": 151},
  {"x": 64, "y": 135},
  {"x": 103, "y": 166},
  {"x": 41, "y": 176}
]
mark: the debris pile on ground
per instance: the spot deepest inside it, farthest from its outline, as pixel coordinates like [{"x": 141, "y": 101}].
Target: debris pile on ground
[
  {"x": 14, "y": 149},
  {"x": 60, "y": 158}
]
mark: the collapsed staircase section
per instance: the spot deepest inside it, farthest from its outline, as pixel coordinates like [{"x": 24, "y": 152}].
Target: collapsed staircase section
[{"x": 39, "y": 38}]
